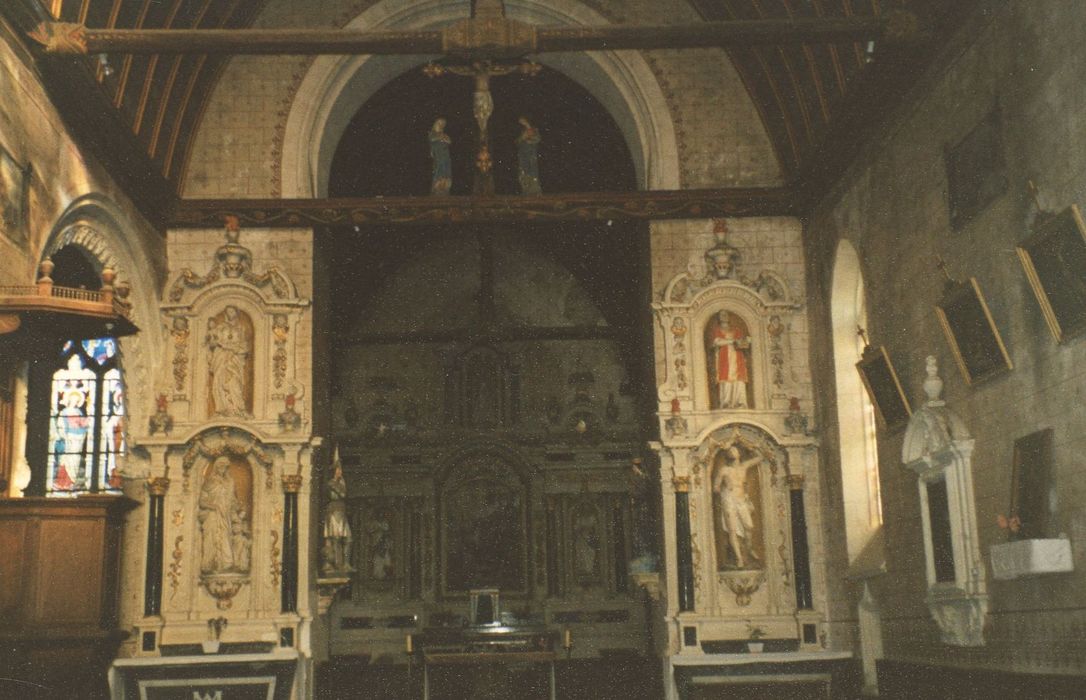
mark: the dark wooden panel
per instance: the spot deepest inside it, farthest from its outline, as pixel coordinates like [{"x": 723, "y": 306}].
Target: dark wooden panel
[
  {"x": 68, "y": 590},
  {"x": 13, "y": 534}
]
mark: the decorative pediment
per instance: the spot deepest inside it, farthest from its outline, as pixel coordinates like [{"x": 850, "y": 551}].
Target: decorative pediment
[
  {"x": 233, "y": 263},
  {"x": 767, "y": 290},
  {"x": 705, "y": 283},
  {"x": 224, "y": 441}
]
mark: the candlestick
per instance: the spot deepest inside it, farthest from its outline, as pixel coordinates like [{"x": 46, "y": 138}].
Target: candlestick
[
  {"x": 409, "y": 646},
  {"x": 567, "y": 639}
]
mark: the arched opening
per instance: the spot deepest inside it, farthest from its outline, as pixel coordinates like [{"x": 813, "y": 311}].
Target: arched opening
[
  {"x": 525, "y": 345},
  {"x": 76, "y": 403},
  {"x": 855, "y": 415}
]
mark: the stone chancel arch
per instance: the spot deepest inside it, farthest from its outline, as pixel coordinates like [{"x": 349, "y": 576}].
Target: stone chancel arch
[{"x": 334, "y": 88}]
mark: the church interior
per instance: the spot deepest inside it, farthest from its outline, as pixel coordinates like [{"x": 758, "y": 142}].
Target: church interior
[{"x": 583, "y": 349}]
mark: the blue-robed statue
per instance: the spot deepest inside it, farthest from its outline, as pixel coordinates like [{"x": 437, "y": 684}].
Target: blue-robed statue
[
  {"x": 441, "y": 182},
  {"x": 528, "y": 159}
]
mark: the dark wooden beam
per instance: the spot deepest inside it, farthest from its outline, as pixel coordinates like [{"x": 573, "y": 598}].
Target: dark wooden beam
[
  {"x": 591, "y": 206},
  {"x": 473, "y": 37}
]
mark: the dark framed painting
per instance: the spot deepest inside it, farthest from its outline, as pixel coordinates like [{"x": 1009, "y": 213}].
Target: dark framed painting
[
  {"x": 14, "y": 196},
  {"x": 971, "y": 332},
  {"x": 975, "y": 170},
  {"x": 1054, "y": 258},
  {"x": 1032, "y": 492},
  {"x": 884, "y": 388}
]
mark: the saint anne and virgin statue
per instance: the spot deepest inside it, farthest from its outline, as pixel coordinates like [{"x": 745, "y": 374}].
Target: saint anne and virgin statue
[
  {"x": 230, "y": 348},
  {"x": 225, "y": 535}
]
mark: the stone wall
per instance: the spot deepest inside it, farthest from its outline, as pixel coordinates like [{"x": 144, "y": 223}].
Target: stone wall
[{"x": 1026, "y": 58}]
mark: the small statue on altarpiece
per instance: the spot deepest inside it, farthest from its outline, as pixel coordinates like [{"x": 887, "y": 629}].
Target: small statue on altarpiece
[
  {"x": 528, "y": 158},
  {"x": 337, "y": 530},
  {"x": 440, "y": 143}
]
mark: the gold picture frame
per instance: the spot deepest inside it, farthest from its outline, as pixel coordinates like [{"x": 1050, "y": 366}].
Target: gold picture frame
[
  {"x": 1054, "y": 258},
  {"x": 971, "y": 332},
  {"x": 883, "y": 386}
]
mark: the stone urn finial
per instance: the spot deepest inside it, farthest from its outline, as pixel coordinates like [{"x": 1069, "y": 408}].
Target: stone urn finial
[
  {"x": 933, "y": 385},
  {"x": 45, "y": 270}
]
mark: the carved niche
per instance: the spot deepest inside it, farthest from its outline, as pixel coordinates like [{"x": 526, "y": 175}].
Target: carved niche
[
  {"x": 227, "y": 461},
  {"x": 482, "y": 389},
  {"x": 233, "y": 343},
  {"x": 483, "y": 518},
  {"x": 744, "y": 471},
  {"x": 725, "y": 338}
]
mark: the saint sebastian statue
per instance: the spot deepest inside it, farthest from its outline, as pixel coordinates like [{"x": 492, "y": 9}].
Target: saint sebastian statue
[{"x": 736, "y": 509}]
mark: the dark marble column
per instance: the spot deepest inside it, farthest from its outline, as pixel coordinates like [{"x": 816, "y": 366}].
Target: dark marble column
[
  {"x": 801, "y": 558},
  {"x": 152, "y": 582},
  {"x": 292, "y": 483},
  {"x": 684, "y": 553}
]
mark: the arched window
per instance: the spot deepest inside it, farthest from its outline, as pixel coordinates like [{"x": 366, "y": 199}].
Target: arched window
[
  {"x": 855, "y": 414},
  {"x": 84, "y": 410},
  {"x": 86, "y": 419}
]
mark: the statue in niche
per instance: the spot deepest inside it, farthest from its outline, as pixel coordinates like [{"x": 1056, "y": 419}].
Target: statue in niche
[
  {"x": 225, "y": 534},
  {"x": 337, "y": 531},
  {"x": 528, "y": 158},
  {"x": 727, "y": 348},
  {"x": 440, "y": 143},
  {"x": 380, "y": 536},
  {"x": 734, "y": 485},
  {"x": 230, "y": 349},
  {"x": 586, "y": 544}
]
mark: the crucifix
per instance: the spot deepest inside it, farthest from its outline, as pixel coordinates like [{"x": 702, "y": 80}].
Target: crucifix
[
  {"x": 482, "y": 68},
  {"x": 482, "y": 71}
]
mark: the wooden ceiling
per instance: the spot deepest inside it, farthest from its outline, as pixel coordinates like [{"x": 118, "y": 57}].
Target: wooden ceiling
[
  {"x": 807, "y": 93},
  {"x": 160, "y": 98},
  {"x": 812, "y": 98}
]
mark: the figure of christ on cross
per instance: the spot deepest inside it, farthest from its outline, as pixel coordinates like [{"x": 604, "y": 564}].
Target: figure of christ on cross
[{"x": 483, "y": 106}]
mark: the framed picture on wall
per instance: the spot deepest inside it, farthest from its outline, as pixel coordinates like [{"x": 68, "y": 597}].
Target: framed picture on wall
[
  {"x": 975, "y": 170},
  {"x": 884, "y": 388},
  {"x": 1054, "y": 257},
  {"x": 971, "y": 332},
  {"x": 1032, "y": 492}
]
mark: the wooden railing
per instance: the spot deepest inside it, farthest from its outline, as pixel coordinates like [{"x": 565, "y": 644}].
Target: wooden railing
[{"x": 25, "y": 296}]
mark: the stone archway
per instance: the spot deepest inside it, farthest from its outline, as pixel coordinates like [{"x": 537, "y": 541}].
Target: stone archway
[{"x": 336, "y": 87}]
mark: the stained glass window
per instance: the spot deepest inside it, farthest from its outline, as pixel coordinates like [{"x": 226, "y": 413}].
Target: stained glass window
[{"x": 86, "y": 421}]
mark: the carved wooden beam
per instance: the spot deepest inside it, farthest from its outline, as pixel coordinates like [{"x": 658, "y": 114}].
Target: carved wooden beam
[
  {"x": 637, "y": 206},
  {"x": 476, "y": 37}
]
